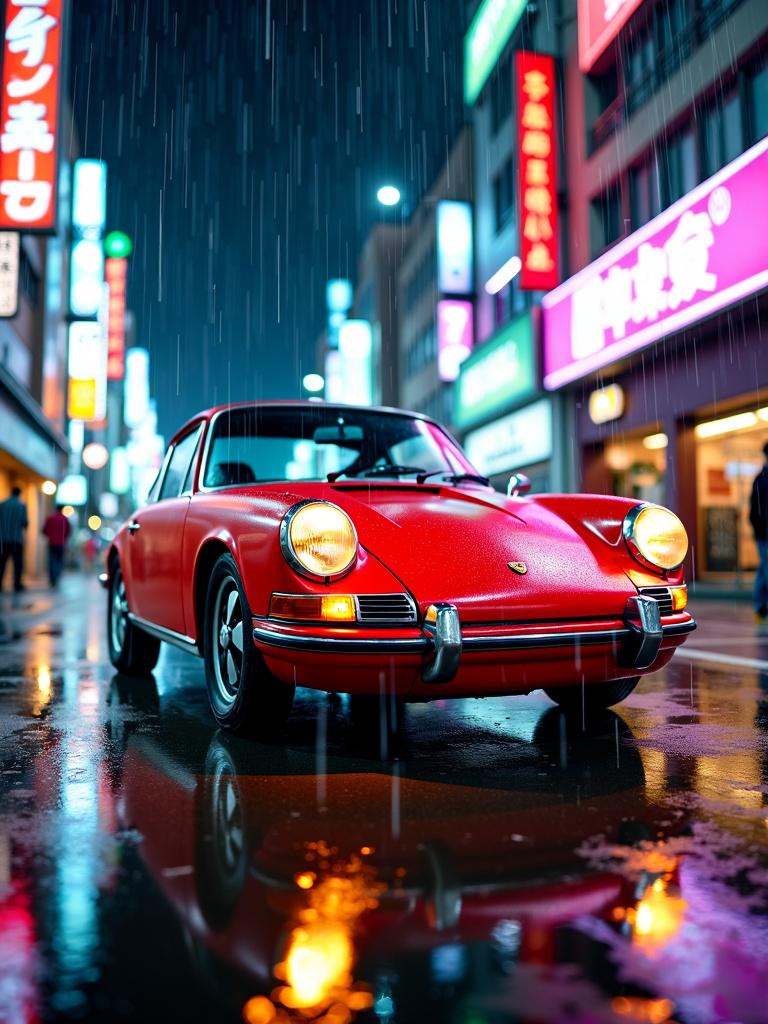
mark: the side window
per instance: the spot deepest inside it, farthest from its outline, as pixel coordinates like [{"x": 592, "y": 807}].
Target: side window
[{"x": 178, "y": 466}]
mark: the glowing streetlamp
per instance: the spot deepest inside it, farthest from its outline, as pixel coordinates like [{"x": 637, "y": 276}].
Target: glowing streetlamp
[
  {"x": 388, "y": 195},
  {"x": 313, "y": 382}
]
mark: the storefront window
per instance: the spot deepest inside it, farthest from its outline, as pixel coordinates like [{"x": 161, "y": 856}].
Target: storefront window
[
  {"x": 728, "y": 457},
  {"x": 638, "y": 464}
]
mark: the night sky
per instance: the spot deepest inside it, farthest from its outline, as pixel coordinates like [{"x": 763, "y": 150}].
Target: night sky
[{"x": 245, "y": 141}]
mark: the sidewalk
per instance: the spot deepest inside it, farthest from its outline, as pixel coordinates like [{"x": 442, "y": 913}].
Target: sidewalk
[{"x": 76, "y": 591}]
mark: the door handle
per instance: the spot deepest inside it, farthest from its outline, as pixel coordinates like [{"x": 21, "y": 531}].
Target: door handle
[{"x": 134, "y": 526}]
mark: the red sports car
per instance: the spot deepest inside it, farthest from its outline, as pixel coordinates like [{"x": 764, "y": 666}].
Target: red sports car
[{"x": 357, "y": 550}]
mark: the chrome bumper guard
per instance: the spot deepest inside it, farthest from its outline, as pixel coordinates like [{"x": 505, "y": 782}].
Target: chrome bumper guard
[{"x": 637, "y": 643}]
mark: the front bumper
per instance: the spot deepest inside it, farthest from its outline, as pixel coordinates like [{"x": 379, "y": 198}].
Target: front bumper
[{"x": 636, "y": 639}]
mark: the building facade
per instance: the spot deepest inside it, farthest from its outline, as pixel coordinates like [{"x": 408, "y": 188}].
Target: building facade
[
  {"x": 513, "y": 95},
  {"x": 436, "y": 288},
  {"x": 657, "y": 336}
]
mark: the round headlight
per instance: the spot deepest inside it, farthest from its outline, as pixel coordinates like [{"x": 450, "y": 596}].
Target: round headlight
[
  {"x": 655, "y": 536},
  {"x": 318, "y": 539}
]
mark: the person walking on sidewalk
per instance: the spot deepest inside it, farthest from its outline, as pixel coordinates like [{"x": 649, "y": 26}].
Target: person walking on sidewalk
[
  {"x": 13, "y": 523},
  {"x": 57, "y": 529},
  {"x": 758, "y": 517}
]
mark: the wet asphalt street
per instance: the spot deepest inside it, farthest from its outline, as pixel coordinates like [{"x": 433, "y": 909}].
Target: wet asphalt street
[{"x": 500, "y": 864}]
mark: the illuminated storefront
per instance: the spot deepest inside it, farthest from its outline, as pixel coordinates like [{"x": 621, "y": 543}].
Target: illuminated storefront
[{"x": 660, "y": 343}]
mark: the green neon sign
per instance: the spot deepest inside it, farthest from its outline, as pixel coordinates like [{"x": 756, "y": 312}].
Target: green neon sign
[
  {"x": 117, "y": 243},
  {"x": 498, "y": 374},
  {"x": 491, "y": 27}
]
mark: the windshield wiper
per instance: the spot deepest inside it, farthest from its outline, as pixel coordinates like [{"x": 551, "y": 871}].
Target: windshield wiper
[
  {"x": 454, "y": 478},
  {"x": 383, "y": 469}
]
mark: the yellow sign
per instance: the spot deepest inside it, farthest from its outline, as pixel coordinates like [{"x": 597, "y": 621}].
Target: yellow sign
[
  {"x": 82, "y": 399},
  {"x": 606, "y": 404}
]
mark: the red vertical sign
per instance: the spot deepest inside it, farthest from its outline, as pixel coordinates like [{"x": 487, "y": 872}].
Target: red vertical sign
[
  {"x": 116, "y": 273},
  {"x": 29, "y": 111},
  {"x": 537, "y": 141},
  {"x": 600, "y": 21}
]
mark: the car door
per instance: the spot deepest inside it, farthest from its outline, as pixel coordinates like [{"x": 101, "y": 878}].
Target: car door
[{"x": 155, "y": 535}]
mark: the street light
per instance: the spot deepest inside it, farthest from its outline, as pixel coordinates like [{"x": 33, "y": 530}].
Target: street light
[
  {"x": 388, "y": 195},
  {"x": 313, "y": 382}
]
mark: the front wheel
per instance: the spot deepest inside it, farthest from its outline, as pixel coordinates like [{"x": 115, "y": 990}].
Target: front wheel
[
  {"x": 131, "y": 650},
  {"x": 241, "y": 689},
  {"x": 590, "y": 697}
]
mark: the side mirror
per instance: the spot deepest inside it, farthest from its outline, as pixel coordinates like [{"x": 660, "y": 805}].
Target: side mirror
[{"x": 518, "y": 484}]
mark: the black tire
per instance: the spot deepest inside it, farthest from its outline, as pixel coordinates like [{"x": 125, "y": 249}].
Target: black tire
[
  {"x": 245, "y": 697},
  {"x": 592, "y": 697},
  {"x": 131, "y": 650}
]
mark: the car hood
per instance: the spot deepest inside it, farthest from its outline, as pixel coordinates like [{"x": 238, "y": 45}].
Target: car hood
[{"x": 455, "y": 544}]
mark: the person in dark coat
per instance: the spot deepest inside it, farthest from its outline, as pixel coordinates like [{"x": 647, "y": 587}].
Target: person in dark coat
[
  {"x": 758, "y": 517},
  {"x": 57, "y": 529},
  {"x": 13, "y": 523}
]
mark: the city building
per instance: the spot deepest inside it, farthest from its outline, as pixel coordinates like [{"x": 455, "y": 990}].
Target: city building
[
  {"x": 512, "y": 90},
  {"x": 33, "y": 362},
  {"x": 658, "y": 336},
  {"x": 376, "y": 301},
  {"x": 436, "y": 288}
]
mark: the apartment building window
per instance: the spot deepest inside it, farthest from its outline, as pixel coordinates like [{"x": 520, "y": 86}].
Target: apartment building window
[
  {"x": 501, "y": 93},
  {"x": 644, "y": 191},
  {"x": 640, "y": 68},
  {"x": 504, "y": 195},
  {"x": 723, "y": 135},
  {"x": 29, "y": 282},
  {"x": 679, "y": 167},
  {"x": 422, "y": 277},
  {"x": 605, "y": 219},
  {"x": 758, "y": 103},
  {"x": 421, "y": 351}
]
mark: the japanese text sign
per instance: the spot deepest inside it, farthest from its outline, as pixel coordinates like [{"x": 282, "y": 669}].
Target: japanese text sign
[
  {"x": 116, "y": 272},
  {"x": 600, "y": 21},
  {"x": 537, "y": 140},
  {"x": 708, "y": 250},
  {"x": 29, "y": 109}
]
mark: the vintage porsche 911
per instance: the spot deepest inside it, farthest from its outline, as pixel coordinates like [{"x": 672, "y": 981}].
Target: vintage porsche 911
[{"x": 357, "y": 550}]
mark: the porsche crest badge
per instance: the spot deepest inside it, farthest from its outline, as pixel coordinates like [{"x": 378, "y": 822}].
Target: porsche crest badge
[{"x": 519, "y": 567}]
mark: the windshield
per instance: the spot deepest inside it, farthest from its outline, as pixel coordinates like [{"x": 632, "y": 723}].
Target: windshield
[{"x": 258, "y": 444}]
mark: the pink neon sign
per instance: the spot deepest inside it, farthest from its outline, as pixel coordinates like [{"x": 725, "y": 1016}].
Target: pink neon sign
[
  {"x": 708, "y": 250},
  {"x": 455, "y": 336}
]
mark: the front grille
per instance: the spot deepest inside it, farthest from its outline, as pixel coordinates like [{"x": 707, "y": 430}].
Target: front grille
[
  {"x": 663, "y": 595},
  {"x": 386, "y": 608}
]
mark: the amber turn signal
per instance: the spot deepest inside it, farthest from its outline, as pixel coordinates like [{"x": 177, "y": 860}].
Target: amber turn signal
[
  {"x": 430, "y": 615},
  {"x": 311, "y": 608},
  {"x": 679, "y": 598}
]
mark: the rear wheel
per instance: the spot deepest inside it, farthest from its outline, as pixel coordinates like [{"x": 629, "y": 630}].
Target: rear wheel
[
  {"x": 131, "y": 650},
  {"x": 589, "y": 697},
  {"x": 243, "y": 693}
]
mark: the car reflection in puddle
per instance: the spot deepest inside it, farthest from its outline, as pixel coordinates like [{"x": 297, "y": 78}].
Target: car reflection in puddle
[{"x": 385, "y": 893}]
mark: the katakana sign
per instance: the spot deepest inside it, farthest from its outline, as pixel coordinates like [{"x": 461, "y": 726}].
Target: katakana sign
[
  {"x": 29, "y": 110},
  {"x": 537, "y": 141},
  {"x": 704, "y": 253},
  {"x": 116, "y": 273}
]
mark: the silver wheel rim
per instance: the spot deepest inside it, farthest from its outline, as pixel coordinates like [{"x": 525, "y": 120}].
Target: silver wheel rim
[
  {"x": 227, "y": 639},
  {"x": 119, "y": 614}
]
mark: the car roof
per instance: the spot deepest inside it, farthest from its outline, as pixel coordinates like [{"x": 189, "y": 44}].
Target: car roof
[{"x": 208, "y": 414}]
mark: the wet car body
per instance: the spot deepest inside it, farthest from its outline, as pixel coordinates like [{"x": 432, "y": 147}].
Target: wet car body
[{"x": 457, "y": 589}]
